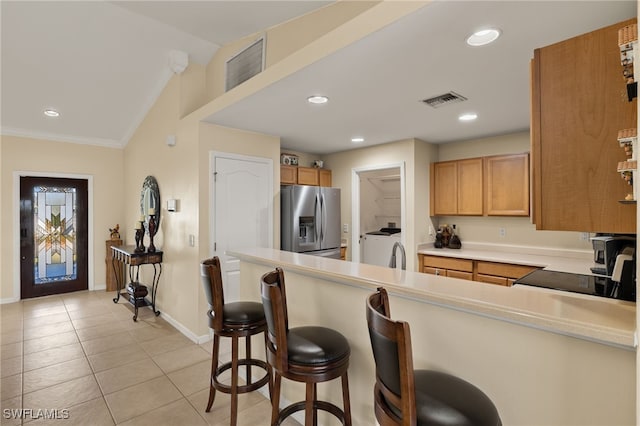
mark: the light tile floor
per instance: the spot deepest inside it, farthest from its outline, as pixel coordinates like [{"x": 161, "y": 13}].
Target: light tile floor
[{"x": 82, "y": 353}]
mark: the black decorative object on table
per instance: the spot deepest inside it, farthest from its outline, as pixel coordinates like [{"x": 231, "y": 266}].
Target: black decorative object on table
[
  {"x": 139, "y": 237},
  {"x": 153, "y": 228}
]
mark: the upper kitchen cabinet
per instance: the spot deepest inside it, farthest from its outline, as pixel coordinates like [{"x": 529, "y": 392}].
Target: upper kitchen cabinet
[
  {"x": 507, "y": 185},
  {"x": 491, "y": 186},
  {"x": 579, "y": 103},
  {"x": 294, "y": 175},
  {"x": 456, "y": 187}
]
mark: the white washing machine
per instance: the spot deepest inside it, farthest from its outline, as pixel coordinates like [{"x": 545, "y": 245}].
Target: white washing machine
[{"x": 376, "y": 249}]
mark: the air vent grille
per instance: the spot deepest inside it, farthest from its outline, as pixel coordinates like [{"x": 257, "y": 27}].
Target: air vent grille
[
  {"x": 245, "y": 64},
  {"x": 446, "y": 99}
]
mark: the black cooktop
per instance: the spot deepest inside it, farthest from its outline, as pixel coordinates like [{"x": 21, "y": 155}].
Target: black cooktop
[{"x": 577, "y": 283}]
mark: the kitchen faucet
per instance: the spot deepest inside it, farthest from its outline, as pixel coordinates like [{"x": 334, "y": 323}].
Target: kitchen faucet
[{"x": 392, "y": 262}]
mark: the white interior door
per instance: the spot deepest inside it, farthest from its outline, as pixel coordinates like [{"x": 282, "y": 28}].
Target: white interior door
[{"x": 242, "y": 211}]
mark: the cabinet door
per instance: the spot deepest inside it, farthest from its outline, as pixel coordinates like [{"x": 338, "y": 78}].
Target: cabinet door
[
  {"x": 507, "y": 185},
  {"x": 444, "y": 188},
  {"x": 578, "y": 105},
  {"x": 308, "y": 176},
  {"x": 460, "y": 274},
  {"x": 288, "y": 175},
  {"x": 470, "y": 186},
  {"x": 324, "y": 176},
  {"x": 490, "y": 279}
]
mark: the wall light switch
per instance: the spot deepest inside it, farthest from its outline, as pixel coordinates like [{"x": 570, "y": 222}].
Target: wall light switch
[
  {"x": 192, "y": 240},
  {"x": 345, "y": 228}
]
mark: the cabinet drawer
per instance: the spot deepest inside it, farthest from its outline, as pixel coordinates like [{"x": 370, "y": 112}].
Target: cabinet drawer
[
  {"x": 504, "y": 269},
  {"x": 492, "y": 279},
  {"x": 448, "y": 263},
  {"x": 460, "y": 274},
  {"x": 433, "y": 271}
]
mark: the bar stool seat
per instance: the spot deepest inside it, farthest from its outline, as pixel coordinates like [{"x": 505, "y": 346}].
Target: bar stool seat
[
  {"x": 308, "y": 354},
  {"x": 234, "y": 320},
  {"x": 316, "y": 345},
  {"x": 407, "y": 397}
]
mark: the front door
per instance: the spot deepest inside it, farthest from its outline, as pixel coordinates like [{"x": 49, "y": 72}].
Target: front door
[
  {"x": 53, "y": 236},
  {"x": 242, "y": 211}
]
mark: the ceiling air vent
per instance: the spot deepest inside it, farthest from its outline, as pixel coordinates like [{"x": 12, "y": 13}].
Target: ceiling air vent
[
  {"x": 245, "y": 64},
  {"x": 446, "y": 99}
]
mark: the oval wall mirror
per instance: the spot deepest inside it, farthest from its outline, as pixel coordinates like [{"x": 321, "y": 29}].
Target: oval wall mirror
[{"x": 150, "y": 198}]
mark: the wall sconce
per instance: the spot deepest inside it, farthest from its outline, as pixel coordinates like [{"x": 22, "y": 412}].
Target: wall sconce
[{"x": 172, "y": 205}]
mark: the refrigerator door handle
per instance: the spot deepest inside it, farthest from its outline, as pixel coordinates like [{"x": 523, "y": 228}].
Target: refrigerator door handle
[
  {"x": 317, "y": 209},
  {"x": 323, "y": 218}
]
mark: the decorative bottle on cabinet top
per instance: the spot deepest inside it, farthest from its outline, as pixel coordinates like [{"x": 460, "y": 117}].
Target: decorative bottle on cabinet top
[{"x": 454, "y": 240}]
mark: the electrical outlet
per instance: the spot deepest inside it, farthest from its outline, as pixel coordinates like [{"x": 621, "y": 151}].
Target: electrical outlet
[
  {"x": 345, "y": 228},
  {"x": 431, "y": 231},
  {"x": 584, "y": 236},
  {"x": 502, "y": 232}
]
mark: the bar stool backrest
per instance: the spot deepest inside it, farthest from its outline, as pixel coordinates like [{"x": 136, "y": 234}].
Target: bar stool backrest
[
  {"x": 274, "y": 301},
  {"x": 211, "y": 275},
  {"x": 394, "y": 391}
]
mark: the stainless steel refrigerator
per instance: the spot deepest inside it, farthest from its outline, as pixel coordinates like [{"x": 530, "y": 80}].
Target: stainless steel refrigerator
[{"x": 310, "y": 220}]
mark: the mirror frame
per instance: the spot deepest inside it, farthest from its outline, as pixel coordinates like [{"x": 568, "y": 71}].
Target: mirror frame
[{"x": 150, "y": 186}]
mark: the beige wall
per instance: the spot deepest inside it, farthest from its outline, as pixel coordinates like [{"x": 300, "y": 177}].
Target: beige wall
[
  {"x": 284, "y": 39},
  {"x": 176, "y": 170},
  {"x": 416, "y": 155},
  {"x": 228, "y": 140},
  {"x": 45, "y": 157},
  {"x": 519, "y": 230}
]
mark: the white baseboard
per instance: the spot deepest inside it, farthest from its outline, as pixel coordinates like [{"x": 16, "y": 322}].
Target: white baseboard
[
  {"x": 9, "y": 300},
  {"x": 184, "y": 330}
]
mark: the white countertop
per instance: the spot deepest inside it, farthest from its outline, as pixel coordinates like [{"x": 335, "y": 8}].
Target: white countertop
[
  {"x": 572, "y": 261},
  {"x": 598, "y": 319}
]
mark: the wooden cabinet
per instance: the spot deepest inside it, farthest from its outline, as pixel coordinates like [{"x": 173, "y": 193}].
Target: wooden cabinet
[
  {"x": 507, "y": 185},
  {"x": 500, "y": 273},
  {"x": 456, "y": 187},
  {"x": 475, "y": 270},
  {"x": 579, "y": 102},
  {"x": 491, "y": 186},
  {"x": 447, "y": 266},
  {"x": 343, "y": 253},
  {"x": 294, "y": 175},
  {"x": 324, "y": 177},
  {"x": 109, "y": 266},
  {"x": 288, "y": 175},
  {"x": 308, "y": 176}
]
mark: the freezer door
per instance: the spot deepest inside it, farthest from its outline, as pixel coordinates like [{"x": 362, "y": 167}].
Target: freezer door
[
  {"x": 300, "y": 218},
  {"x": 330, "y": 231}
]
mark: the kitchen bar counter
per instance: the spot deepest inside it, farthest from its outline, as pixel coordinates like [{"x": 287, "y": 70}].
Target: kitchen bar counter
[
  {"x": 572, "y": 261},
  {"x": 607, "y": 321},
  {"x": 526, "y": 347}
]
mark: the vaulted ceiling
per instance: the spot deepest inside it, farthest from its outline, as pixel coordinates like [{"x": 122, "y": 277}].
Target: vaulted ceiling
[{"x": 102, "y": 65}]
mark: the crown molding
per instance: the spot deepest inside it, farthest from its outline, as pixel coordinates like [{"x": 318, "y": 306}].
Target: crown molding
[{"x": 24, "y": 133}]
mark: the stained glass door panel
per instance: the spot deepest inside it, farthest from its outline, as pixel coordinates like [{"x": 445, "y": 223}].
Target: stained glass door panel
[{"x": 53, "y": 222}]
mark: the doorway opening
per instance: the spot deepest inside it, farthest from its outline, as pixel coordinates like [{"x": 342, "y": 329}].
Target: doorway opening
[{"x": 378, "y": 206}]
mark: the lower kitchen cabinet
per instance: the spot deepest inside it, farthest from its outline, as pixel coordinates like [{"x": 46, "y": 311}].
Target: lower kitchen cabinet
[
  {"x": 475, "y": 270},
  {"x": 447, "y": 266}
]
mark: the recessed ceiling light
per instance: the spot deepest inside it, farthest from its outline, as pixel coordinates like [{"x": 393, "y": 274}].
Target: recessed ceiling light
[
  {"x": 51, "y": 113},
  {"x": 468, "y": 117},
  {"x": 317, "y": 99},
  {"x": 482, "y": 37},
  {"x": 357, "y": 140}
]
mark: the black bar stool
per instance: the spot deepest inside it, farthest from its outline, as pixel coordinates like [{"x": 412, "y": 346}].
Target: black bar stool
[
  {"x": 407, "y": 397},
  {"x": 235, "y": 320},
  {"x": 303, "y": 354}
]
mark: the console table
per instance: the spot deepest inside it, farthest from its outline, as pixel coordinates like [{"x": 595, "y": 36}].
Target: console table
[{"x": 127, "y": 257}]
